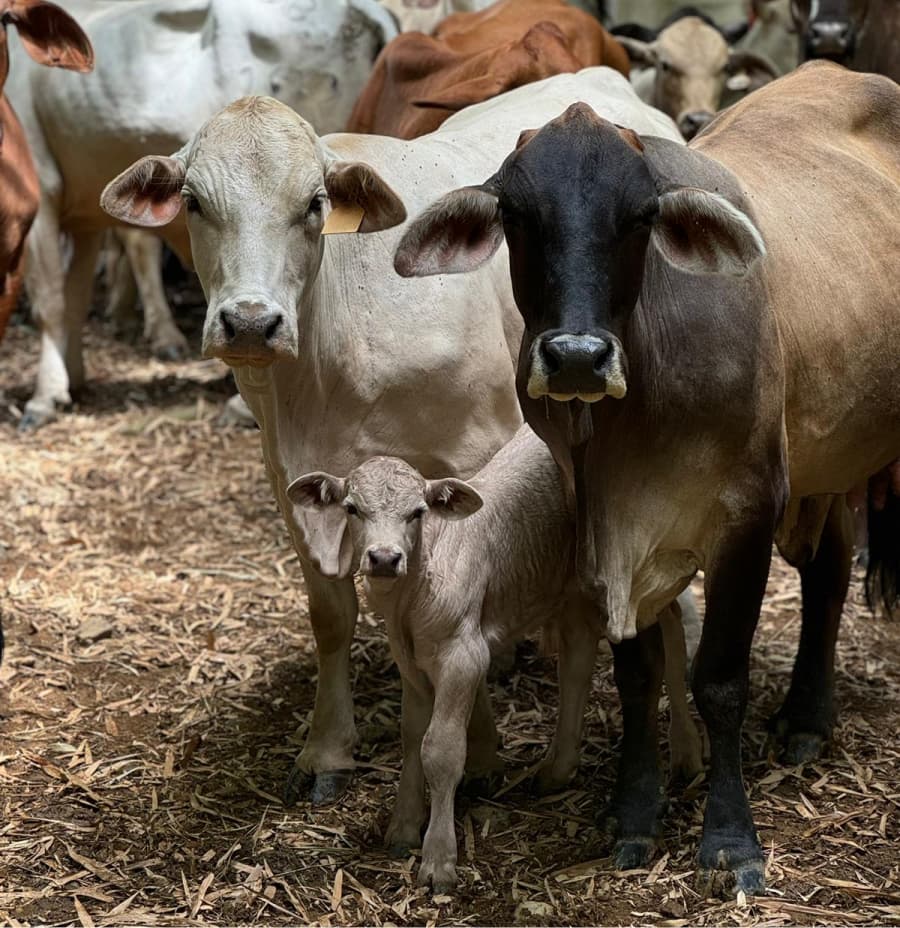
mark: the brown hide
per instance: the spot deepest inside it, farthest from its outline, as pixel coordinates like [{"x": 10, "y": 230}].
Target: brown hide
[{"x": 419, "y": 80}]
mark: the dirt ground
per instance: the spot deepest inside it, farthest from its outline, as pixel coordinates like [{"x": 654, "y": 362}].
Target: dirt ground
[{"x": 160, "y": 675}]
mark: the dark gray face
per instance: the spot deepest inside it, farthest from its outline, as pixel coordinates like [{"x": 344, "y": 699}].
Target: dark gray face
[{"x": 829, "y": 28}]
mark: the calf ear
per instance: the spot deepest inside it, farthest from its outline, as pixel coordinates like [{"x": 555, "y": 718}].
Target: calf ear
[
  {"x": 703, "y": 233},
  {"x": 316, "y": 490},
  {"x": 147, "y": 194},
  {"x": 354, "y": 184},
  {"x": 456, "y": 234},
  {"x": 452, "y": 498},
  {"x": 50, "y": 35},
  {"x": 748, "y": 71},
  {"x": 641, "y": 53}
]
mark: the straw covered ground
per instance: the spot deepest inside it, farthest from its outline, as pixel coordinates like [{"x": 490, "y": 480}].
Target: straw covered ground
[{"x": 160, "y": 674}]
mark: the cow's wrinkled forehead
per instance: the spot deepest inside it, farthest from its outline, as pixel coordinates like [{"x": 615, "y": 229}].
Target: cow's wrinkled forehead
[
  {"x": 259, "y": 143},
  {"x": 386, "y": 484},
  {"x": 692, "y": 45}
]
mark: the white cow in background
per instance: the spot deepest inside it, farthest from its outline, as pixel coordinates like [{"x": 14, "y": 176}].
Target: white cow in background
[
  {"x": 327, "y": 341},
  {"x": 163, "y": 67}
]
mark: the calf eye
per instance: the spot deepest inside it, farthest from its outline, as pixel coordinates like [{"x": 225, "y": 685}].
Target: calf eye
[
  {"x": 415, "y": 514},
  {"x": 191, "y": 203},
  {"x": 315, "y": 206},
  {"x": 351, "y": 509}
]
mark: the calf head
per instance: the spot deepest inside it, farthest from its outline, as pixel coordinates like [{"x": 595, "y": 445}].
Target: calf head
[
  {"x": 256, "y": 184},
  {"x": 578, "y": 203},
  {"x": 384, "y": 503},
  {"x": 50, "y": 36},
  {"x": 693, "y": 64},
  {"x": 829, "y": 28}
]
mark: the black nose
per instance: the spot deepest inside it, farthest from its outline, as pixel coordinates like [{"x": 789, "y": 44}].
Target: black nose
[
  {"x": 383, "y": 562},
  {"x": 575, "y": 363},
  {"x": 691, "y": 123},
  {"x": 829, "y": 39},
  {"x": 249, "y": 325}
]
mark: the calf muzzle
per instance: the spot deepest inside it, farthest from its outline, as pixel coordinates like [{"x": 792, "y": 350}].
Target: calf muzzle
[
  {"x": 832, "y": 39},
  {"x": 689, "y": 124},
  {"x": 248, "y": 332},
  {"x": 383, "y": 562},
  {"x": 585, "y": 367}
]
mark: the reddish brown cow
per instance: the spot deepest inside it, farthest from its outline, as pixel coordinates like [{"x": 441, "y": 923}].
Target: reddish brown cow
[
  {"x": 53, "y": 38},
  {"x": 419, "y": 80}
]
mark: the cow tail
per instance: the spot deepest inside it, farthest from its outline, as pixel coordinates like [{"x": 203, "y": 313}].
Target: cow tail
[{"x": 883, "y": 570}]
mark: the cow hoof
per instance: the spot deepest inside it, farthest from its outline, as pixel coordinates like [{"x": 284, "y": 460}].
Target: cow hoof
[
  {"x": 320, "y": 788},
  {"x": 748, "y": 878},
  {"x": 633, "y": 853},
  {"x": 481, "y": 784},
  {"x": 401, "y": 838},
  {"x": 35, "y": 417},
  {"x": 173, "y": 352},
  {"x": 803, "y": 748},
  {"x": 440, "y": 877},
  {"x": 236, "y": 413}
]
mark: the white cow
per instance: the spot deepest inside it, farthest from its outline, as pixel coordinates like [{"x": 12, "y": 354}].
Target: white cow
[
  {"x": 162, "y": 68},
  {"x": 328, "y": 344}
]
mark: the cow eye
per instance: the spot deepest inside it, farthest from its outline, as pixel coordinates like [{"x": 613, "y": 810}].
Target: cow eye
[
  {"x": 415, "y": 514},
  {"x": 315, "y": 205},
  {"x": 191, "y": 203},
  {"x": 351, "y": 509}
]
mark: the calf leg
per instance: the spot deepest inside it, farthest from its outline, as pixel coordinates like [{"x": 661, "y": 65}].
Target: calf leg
[
  {"x": 462, "y": 669},
  {"x": 730, "y": 856},
  {"x": 638, "y": 802},
  {"x": 410, "y": 811},
  {"x": 805, "y": 720},
  {"x": 78, "y": 290},
  {"x": 122, "y": 294},
  {"x": 685, "y": 747},
  {"x": 326, "y": 761},
  {"x": 145, "y": 256},
  {"x": 484, "y": 768},
  {"x": 577, "y": 656}
]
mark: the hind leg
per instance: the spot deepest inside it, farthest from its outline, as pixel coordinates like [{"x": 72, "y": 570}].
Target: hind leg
[{"x": 805, "y": 720}]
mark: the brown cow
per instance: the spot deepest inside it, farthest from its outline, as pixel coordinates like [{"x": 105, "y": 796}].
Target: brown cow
[
  {"x": 420, "y": 80},
  {"x": 52, "y": 38}
]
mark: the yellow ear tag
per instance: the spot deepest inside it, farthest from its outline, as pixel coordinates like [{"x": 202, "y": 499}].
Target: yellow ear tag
[{"x": 343, "y": 219}]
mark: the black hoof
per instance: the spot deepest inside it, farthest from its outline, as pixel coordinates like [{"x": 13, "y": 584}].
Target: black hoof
[
  {"x": 320, "y": 788},
  {"x": 170, "y": 353},
  {"x": 748, "y": 878},
  {"x": 481, "y": 785},
  {"x": 400, "y": 851},
  {"x": 804, "y": 748},
  {"x": 297, "y": 786},
  {"x": 633, "y": 853}
]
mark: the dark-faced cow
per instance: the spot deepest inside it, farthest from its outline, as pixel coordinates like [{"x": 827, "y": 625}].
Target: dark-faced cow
[
  {"x": 336, "y": 355},
  {"x": 738, "y": 318}
]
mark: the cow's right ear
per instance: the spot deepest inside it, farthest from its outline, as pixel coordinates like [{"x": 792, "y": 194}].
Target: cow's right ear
[
  {"x": 147, "y": 194},
  {"x": 316, "y": 490},
  {"x": 50, "y": 35},
  {"x": 640, "y": 53},
  {"x": 456, "y": 234}
]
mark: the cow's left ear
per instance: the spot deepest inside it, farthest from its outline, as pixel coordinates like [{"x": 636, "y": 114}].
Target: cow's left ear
[
  {"x": 703, "y": 233},
  {"x": 50, "y": 35},
  {"x": 452, "y": 498},
  {"x": 456, "y": 234},
  {"x": 748, "y": 71},
  {"x": 148, "y": 193},
  {"x": 352, "y": 184}
]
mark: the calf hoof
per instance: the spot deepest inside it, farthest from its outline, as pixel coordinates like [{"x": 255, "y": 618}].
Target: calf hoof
[
  {"x": 400, "y": 839},
  {"x": 36, "y": 416},
  {"x": 440, "y": 877},
  {"x": 795, "y": 746},
  {"x": 547, "y": 780},
  {"x": 481, "y": 784},
  {"x": 171, "y": 349},
  {"x": 320, "y": 788},
  {"x": 728, "y": 867},
  {"x": 633, "y": 853},
  {"x": 236, "y": 413}
]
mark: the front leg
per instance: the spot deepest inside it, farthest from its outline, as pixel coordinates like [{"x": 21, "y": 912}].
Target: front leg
[
  {"x": 685, "y": 746},
  {"x": 638, "y": 801},
  {"x": 461, "y": 669},
  {"x": 730, "y": 856},
  {"x": 484, "y": 768},
  {"x": 325, "y": 765}
]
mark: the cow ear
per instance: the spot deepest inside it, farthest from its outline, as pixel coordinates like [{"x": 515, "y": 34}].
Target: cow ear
[
  {"x": 640, "y": 53},
  {"x": 748, "y": 71},
  {"x": 147, "y": 194},
  {"x": 352, "y": 184},
  {"x": 50, "y": 35},
  {"x": 703, "y": 233},
  {"x": 316, "y": 490},
  {"x": 456, "y": 234},
  {"x": 452, "y": 498}
]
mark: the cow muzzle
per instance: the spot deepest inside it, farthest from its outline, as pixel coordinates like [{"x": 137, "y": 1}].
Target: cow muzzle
[
  {"x": 384, "y": 561},
  {"x": 585, "y": 367},
  {"x": 832, "y": 39},
  {"x": 689, "y": 124},
  {"x": 249, "y": 332}
]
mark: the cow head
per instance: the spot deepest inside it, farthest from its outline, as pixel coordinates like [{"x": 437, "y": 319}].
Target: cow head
[
  {"x": 256, "y": 184},
  {"x": 49, "y": 35},
  {"x": 578, "y": 203},
  {"x": 692, "y": 65},
  {"x": 383, "y": 502},
  {"x": 829, "y": 28}
]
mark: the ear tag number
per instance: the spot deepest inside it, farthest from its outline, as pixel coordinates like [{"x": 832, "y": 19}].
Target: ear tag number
[{"x": 343, "y": 219}]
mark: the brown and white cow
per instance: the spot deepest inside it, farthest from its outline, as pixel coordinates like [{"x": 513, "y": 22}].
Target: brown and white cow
[
  {"x": 863, "y": 35},
  {"x": 738, "y": 317},
  {"x": 419, "y": 80}
]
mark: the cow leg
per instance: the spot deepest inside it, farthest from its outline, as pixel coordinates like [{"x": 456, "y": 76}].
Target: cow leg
[
  {"x": 122, "y": 294},
  {"x": 410, "y": 809},
  {"x": 638, "y": 801},
  {"x": 577, "y": 656},
  {"x": 145, "y": 254},
  {"x": 730, "y": 857},
  {"x": 805, "y": 720},
  {"x": 484, "y": 768},
  {"x": 685, "y": 747},
  {"x": 78, "y": 291},
  {"x": 461, "y": 671},
  {"x": 325, "y": 765}
]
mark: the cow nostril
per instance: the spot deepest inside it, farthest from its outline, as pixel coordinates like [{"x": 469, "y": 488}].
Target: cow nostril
[
  {"x": 394, "y": 560},
  {"x": 226, "y": 325},
  {"x": 551, "y": 355},
  {"x": 272, "y": 327},
  {"x": 601, "y": 356}
]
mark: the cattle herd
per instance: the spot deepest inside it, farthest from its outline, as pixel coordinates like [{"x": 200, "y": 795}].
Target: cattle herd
[{"x": 531, "y": 334}]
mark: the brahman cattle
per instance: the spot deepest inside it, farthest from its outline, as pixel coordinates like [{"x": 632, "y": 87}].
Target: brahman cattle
[
  {"x": 734, "y": 305},
  {"x": 163, "y": 69},
  {"x": 687, "y": 68},
  {"x": 50, "y": 37},
  {"x": 338, "y": 358},
  {"x": 862, "y": 34},
  {"x": 419, "y": 80}
]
